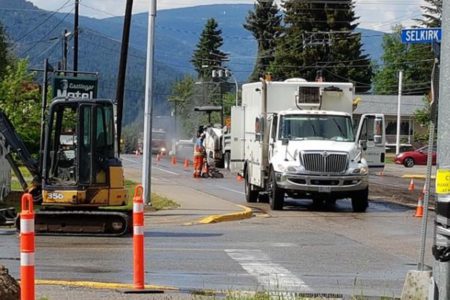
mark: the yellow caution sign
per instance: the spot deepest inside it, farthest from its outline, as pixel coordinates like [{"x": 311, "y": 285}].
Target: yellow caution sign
[{"x": 443, "y": 181}]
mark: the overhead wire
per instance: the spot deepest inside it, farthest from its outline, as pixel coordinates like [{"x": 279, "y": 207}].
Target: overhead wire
[
  {"x": 43, "y": 22},
  {"x": 48, "y": 33}
]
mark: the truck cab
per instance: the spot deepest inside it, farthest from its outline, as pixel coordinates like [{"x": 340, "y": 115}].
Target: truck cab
[
  {"x": 317, "y": 154},
  {"x": 298, "y": 139}
]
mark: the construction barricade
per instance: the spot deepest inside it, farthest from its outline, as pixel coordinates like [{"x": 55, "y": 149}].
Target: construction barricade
[
  {"x": 138, "y": 238},
  {"x": 27, "y": 248}
]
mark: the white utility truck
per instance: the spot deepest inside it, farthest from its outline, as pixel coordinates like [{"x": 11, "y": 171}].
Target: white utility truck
[{"x": 296, "y": 138}]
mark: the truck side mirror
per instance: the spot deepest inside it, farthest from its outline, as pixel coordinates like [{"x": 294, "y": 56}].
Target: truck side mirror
[
  {"x": 378, "y": 134},
  {"x": 259, "y": 129}
]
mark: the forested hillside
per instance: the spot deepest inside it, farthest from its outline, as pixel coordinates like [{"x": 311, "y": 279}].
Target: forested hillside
[{"x": 37, "y": 34}]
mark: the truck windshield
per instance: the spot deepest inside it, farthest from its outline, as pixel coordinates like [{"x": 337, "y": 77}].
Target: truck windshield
[{"x": 311, "y": 127}]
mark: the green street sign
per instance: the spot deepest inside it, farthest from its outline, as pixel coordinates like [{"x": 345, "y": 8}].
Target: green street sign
[{"x": 76, "y": 87}]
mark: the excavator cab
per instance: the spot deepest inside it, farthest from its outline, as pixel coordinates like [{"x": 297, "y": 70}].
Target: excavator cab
[
  {"x": 81, "y": 173},
  {"x": 80, "y": 166}
]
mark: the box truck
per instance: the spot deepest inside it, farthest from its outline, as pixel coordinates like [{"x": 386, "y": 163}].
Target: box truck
[{"x": 296, "y": 139}]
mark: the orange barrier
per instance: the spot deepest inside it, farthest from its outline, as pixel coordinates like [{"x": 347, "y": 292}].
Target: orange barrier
[
  {"x": 411, "y": 186},
  {"x": 186, "y": 163},
  {"x": 138, "y": 238},
  {"x": 27, "y": 249},
  {"x": 174, "y": 160},
  {"x": 419, "y": 209}
]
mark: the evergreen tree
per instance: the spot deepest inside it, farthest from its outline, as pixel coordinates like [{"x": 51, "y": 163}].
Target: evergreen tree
[
  {"x": 207, "y": 56},
  {"x": 319, "y": 36},
  {"x": 264, "y": 23},
  {"x": 432, "y": 13},
  {"x": 4, "y": 54}
]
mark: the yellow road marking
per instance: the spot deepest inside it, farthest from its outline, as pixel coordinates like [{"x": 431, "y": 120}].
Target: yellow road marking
[{"x": 99, "y": 285}]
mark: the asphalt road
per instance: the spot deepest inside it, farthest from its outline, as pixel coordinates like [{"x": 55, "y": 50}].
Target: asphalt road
[{"x": 298, "y": 249}]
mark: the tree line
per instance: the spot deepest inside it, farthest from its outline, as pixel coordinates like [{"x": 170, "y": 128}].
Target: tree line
[{"x": 314, "y": 40}]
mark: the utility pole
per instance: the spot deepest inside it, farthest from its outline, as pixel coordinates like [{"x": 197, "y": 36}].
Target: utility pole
[
  {"x": 400, "y": 79},
  {"x": 147, "y": 157},
  {"x": 123, "y": 69},
  {"x": 441, "y": 245},
  {"x": 65, "y": 48},
  {"x": 75, "y": 37}
]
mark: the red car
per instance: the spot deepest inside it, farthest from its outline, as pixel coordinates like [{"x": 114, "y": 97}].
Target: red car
[{"x": 416, "y": 157}]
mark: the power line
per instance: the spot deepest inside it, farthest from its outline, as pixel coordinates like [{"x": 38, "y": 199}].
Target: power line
[
  {"x": 43, "y": 22},
  {"x": 48, "y": 33}
]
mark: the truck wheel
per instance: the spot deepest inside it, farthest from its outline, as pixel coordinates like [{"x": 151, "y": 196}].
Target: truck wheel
[
  {"x": 251, "y": 195},
  {"x": 226, "y": 160},
  {"x": 276, "y": 194},
  {"x": 360, "y": 200}
]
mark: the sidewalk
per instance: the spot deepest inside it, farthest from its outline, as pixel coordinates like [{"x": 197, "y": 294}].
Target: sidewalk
[
  {"x": 194, "y": 205},
  {"x": 401, "y": 171}
]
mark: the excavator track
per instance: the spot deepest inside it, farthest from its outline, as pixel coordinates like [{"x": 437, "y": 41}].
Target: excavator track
[{"x": 81, "y": 223}]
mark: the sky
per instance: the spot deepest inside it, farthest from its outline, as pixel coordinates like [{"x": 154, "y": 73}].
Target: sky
[{"x": 374, "y": 14}]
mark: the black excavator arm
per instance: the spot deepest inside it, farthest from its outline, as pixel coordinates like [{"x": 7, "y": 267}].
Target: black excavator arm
[{"x": 17, "y": 146}]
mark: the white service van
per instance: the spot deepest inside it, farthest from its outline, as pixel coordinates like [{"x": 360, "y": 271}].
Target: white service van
[{"x": 296, "y": 138}]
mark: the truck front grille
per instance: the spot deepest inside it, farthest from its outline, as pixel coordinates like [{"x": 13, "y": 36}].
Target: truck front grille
[{"x": 325, "y": 162}]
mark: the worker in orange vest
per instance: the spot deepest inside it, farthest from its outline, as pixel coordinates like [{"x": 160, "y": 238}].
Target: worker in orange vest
[{"x": 199, "y": 154}]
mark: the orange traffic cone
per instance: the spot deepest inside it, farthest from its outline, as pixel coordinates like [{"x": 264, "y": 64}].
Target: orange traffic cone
[
  {"x": 419, "y": 209},
  {"x": 174, "y": 160},
  {"x": 239, "y": 177},
  {"x": 411, "y": 186},
  {"x": 186, "y": 163}
]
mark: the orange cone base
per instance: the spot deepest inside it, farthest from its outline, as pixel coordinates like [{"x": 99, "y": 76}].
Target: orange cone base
[{"x": 419, "y": 212}]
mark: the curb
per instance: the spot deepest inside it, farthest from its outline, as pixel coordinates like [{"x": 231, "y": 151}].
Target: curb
[
  {"x": 245, "y": 214},
  {"x": 99, "y": 285}
]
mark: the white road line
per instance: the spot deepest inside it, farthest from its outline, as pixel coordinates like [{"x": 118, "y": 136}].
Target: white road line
[
  {"x": 130, "y": 160},
  {"x": 168, "y": 172},
  {"x": 270, "y": 275},
  {"x": 231, "y": 190}
]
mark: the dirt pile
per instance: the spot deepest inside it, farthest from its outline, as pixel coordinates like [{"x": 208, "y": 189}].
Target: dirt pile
[{"x": 9, "y": 288}]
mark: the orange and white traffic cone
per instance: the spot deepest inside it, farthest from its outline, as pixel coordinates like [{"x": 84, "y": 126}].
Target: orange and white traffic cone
[
  {"x": 186, "y": 163},
  {"x": 27, "y": 248},
  {"x": 419, "y": 209},
  {"x": 174, "y": 160},
  {"x": 411, "y": 186}
]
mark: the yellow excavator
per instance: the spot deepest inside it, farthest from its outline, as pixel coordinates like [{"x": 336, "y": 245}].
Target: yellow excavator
[{"x": 80, "y": 185}]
